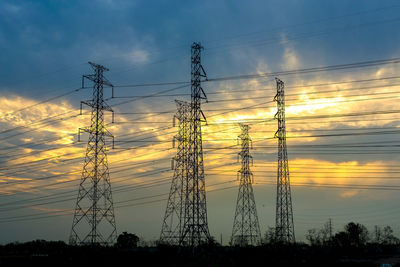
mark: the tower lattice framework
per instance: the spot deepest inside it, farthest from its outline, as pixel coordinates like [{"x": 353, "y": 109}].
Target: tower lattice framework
[
  {"x": 94, "y": 220},
  {"x": 195, "y": 226},
  {"x": 246, "y": 228},
  {"x": 284, "y": 227},
  {"x": 171, "y": 229}
]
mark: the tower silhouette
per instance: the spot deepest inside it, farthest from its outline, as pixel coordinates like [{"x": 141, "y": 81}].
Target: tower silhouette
[
  {"x": 284, "y": 227},
  {"x": 195, "y": 226},
  {"x": 246, "y": 228},
  {"x": 94, "y": 220},
  {"x": 171, "y": 229}
]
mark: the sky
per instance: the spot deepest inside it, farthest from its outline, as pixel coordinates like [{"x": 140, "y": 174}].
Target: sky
[{"x": 341, "y": 125}]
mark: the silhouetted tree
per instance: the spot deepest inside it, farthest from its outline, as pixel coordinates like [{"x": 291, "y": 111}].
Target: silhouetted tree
[
  {"x": 313, "y": 237},
  {"x": 318, "y": 237},
  {"x": 325, "y": 234},
  {"x": 354, "y": 235},
  {"x": 341, "y": 239},
  {"x": 358, "y": 234},
  {"x": 387, "y": 236},
  {"x": 269, "y": 236},
  {"x": 127, "y": 240},
  {"x": 213, "y": 242},
  {"x": 377, "y": 236}
]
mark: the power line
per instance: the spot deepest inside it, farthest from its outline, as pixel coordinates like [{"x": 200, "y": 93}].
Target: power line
[
  {"x": 45, "y": 101},
  {"x": 118, "y": 189},
  {"x": 241, "y": 99},
  {"x": 57, "y": 156},
  {"x": 362, "y": 64},
  {"x": 319, "y": 185},
  {"x": 267, "y": 41},
  {"x": 69, "y": 213},
  {"x": 325, "y": 19},
  {"x": 151, "y": 84}
]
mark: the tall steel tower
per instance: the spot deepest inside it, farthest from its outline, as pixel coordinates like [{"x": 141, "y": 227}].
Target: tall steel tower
[
  {"x": 195, "y": 227},
  {"x": 94, "y": 220},
  {"x": 284, "y": 227},
  {"x": 246, "y": 228},
  {"x": 173, "y": 219}
]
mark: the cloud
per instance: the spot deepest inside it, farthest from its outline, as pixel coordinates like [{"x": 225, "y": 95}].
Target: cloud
[
  {"x": 137, "y": 56},
  {"x": 117, "y": 4},
  {"x": 290, "y": 60},
  {"x": 349, "y": 194},
  {"x": 106, "y": 51},
  {"x": 222, "y": 131},
  {"x": 12, "y": 8}
]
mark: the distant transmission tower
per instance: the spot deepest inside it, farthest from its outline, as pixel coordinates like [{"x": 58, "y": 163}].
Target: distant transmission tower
[
  {"x": 246, "y": 229},
  {"x": 284, "y": 227},
  {"x": 172, "y": 224},
  {"x": 195, "y": 227},
  {"x": 330, "y": 228},
  {"x": 94, "y": 220}
]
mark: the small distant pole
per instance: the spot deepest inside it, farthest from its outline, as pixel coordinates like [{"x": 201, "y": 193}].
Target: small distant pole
[{"x": 330, "y": 227}]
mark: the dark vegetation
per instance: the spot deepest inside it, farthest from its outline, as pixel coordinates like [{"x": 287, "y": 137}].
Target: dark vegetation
[{"x": 353, "y": 246}]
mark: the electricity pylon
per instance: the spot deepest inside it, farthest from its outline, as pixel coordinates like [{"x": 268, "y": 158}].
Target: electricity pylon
[
  {"x": 94, "y": 220},
  {"x": 246, "y": 228},
  {"x": 171, "y": 229},
  {"x": 284, "y": 227},
  {"x": 195, "y": 227}
]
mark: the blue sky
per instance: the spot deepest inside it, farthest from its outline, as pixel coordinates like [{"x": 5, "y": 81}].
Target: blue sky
[
  {"x": 46, "y": 45},
  {"x": 40, "y": 37}
]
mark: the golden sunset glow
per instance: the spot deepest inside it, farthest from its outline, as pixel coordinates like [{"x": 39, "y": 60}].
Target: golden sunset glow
[{"x": 221, "y": 131}]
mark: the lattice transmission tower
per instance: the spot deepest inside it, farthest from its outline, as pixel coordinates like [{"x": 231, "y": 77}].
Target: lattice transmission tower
[
  {"x": 171, "y": 229},
  {"x": 195, "y": 227},
  {"x": 284, "y": 227},
  {"x": 246, "y": 228},
  {"x": 94, "y": 220}
]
